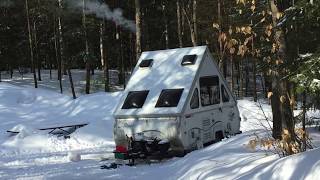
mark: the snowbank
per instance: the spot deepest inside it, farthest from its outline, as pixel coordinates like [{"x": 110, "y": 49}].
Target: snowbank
[
  {"x": 301, "y": 166},
  {"x": 26, "y": 109}
]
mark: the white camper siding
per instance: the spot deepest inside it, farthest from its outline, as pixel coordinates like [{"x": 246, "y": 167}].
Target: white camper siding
[
  {"x": 208, "y": 67},
  {"x": 199, "y": 124},
  {"x": 224, "y": 82},
  {"x": 165, "y": 73},
  {"x": 229, "y": 109}
]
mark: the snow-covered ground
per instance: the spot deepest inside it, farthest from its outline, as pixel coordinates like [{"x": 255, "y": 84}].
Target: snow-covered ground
[
  {"x": 78, "y": 76},
  {"x": 34, "y": 154}
]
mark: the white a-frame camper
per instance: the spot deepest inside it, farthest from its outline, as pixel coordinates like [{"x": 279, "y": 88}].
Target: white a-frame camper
[{"x": 177, "y": 97}]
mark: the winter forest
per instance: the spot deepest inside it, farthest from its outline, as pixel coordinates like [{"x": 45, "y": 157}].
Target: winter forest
[{"x": 71, "y": 74}]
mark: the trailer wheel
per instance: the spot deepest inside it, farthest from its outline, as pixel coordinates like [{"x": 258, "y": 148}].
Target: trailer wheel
[{"x": 219, "y": 136}]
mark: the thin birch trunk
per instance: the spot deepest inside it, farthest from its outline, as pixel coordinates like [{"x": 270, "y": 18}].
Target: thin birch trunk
[
  {"x": 102, "y": 52},
  {"x": 195, "y": 23},
  {"x": 220, "y": 32},
  {"x": 87, "y": 59},
  {"x": 232, "y": 73},
  {"x": 179, "y": 24},
  {"x": 241, "y": 78},
  {"x": 64, "y": 62},
  {"x": 101, "y": 43},
  {"x": 36, "y": 50},
  {"x": 166, "y": 33},
  {"x": 122, "y": 70},
  {"x": 138, "y": 29},
  {"x": 31, "y": 46},
  {"x": 255, "y": 98},
  {"x": 103, "y": 58},
  {"x": 57, "y": 53}
]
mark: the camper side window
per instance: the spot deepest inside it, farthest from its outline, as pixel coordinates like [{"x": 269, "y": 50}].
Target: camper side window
[
  {"x": 194, "y": 103},
  {"x": 209, "y": 90},
  {"x": 225, "y": 95},
  {"x": 135, "y": 99},
  {"x": 169, "y": 98}
]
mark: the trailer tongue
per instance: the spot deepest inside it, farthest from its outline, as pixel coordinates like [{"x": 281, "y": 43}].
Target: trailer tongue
[{"x": 141, "y": 148}]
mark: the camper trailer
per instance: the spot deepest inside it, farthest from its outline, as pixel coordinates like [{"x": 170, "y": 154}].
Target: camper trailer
[{"x": 176, "y": 100}]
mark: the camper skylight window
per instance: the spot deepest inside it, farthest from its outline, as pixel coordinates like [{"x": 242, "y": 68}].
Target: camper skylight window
[
  {"x": 135, "y": 99},
  {"x": 225, "y": 95},
  {"x": 209, "y": 90},
  {"x": 146, "y": 63},
  {"x": 169, "y": 98},
  {"x": 188, "y": 60}
]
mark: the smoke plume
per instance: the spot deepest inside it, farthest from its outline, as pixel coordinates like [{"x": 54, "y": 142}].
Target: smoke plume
[{"x": 102, "y": 10}]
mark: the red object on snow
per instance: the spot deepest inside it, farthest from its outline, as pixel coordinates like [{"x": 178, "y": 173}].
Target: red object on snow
[{"x": 121, "y": 149}]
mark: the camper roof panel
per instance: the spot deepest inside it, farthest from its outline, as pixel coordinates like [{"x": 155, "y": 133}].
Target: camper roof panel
[{"x": 166, "y": 73}]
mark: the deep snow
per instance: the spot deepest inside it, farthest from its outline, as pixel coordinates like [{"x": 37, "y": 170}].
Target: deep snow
[
  {"x": 34, "y": 154},
  {"x": 28, "y": 109}
]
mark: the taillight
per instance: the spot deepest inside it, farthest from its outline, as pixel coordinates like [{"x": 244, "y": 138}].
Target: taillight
[{"x": 121, "y": 149}]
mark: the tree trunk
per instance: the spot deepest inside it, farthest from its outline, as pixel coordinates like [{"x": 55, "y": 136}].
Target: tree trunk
[
  {"x": 255, "y": 98},
  {"x": 57, "y": 53},
  {"x": 132, "y": 56},
  {"x": 246, "y": 69},
  {"x": 87, "y": 59},
  {"x": 103, "y": 58},
  {"x": 50, "y": 66},
  {"x": 286, "y": 112},
  {"x": 183, "y": 18},
  {"x": 193, "y": 24},
  {"x": 62, "y": 60},
  {"x": 11, "y": 72},
  {"x": 87, "y": 78},
  {"x": 138, "y": 29},
  {"x": 106, "y": 75},
  {"x": 275, "y": 106},
  {"x": 122, "y": 65},
  {"x": 179, "y": 23},
  {"x": 232, "y": 73},
  {"x": 31, "y": 46},
  {"x": 36, "y": 50},
  {"x": 220, "y": 32},
  {"x": 63, "y": 63},
  {"x": 304, "y": 110},
  {"x": 101, "y": 43},
  {"x": 280, "y": 84},
  {"x": 241, "y": 94},
  {"x": 92, "y": 68},
  {"x": 165, "y": 19},
  {"x": 71, "y": 82}
]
